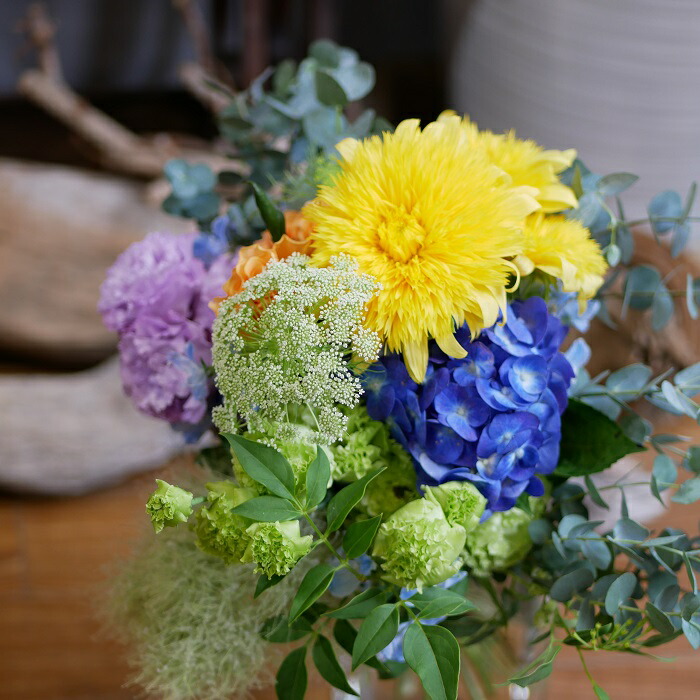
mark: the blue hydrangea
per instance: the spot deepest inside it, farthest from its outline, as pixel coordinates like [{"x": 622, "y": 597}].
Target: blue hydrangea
[
  {"x": 494, "y": 417},
  {"x": 209, "y": 246}
]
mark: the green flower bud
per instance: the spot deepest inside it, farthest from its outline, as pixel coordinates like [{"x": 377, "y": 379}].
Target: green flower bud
[
  {"x": 276, "y": 547},
  {"x": 219, "y": 531},
  {"x": 361, "y": 449},
  {"x": 460, "y": 501},
  {"x": 418, "y": 547},
  {"x": 499, "y": 543},
  {"x": 168, "y": 505}
]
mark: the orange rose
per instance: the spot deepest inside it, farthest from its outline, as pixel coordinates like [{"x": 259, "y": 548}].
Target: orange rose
[{"x": 253, "y": 258}]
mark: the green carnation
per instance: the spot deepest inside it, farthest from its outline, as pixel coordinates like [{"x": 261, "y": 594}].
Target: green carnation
[
  {"x": 276, "y": 547},
  {"x": 418, "y": 547},
  {"x": 219, "y": 531},
  {"x": 168, "y": 505},
  {"x": 460, "y": 501},
  {"x": 393, "y": 488},
  {"x": 499, "y": 543}
]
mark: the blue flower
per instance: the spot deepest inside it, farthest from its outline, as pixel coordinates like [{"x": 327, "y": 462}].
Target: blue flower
[
  {"x": 492, "y": 418},
  {"x": 209, "y": 246}
]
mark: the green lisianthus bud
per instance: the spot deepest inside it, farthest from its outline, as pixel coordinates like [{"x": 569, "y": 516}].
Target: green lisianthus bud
[
  {"x": 219, "y": 531},
  {"x": 168, "y": 505},
  {"x": 276, "y": 547},
  {"x": 361, "y": 448},
  {"x": 418, "y": 547},
  {"x": 499, "y": 543},
  {"x": 460, "y": 501}
]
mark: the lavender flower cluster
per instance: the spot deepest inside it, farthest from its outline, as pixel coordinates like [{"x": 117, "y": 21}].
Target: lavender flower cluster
[
  {"x": 156, "y": 297},
  {"x": 494, "y": 417}
]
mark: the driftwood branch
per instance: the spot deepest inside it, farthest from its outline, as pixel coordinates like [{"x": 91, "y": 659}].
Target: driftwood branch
[
  {"x": 40, "y": 31},
  {"x": 212, "y": 93}
]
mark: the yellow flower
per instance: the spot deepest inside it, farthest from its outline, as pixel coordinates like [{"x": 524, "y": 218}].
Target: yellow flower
[
  {"x": 564, "y": 249},
  {"x": 527, "y": 163},
  {"x": 433, "y": 221}
]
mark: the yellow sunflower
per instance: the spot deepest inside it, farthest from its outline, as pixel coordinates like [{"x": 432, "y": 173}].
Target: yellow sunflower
[
  {"x": 527, "y": 163},
  {"x": 564, "y": 249},
  {"x": 429, "y": 216}
]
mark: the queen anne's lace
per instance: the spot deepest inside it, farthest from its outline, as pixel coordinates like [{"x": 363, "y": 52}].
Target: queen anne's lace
[{"x": 284, "y": 349}]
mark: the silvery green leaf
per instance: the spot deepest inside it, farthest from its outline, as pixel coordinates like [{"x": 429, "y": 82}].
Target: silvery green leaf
[
  {"x": 598, "y": 553},
  {"x": 356, "y": 80},
  {"x": 325, "y": 127},
  {"x": 615, "y": 183},
  {"x": 627, "y": 529},
  {"x": 620, "y": 590},
  {"x": 692, "y": 460},
  {"x": 567, "y": 585},
  {"x": 665, "y": 471},
  {"x": 568, "y": 523},
  {"x": 659, "y": 619},
  {"x": 640, "y": 285},
  {"x": 635, "y": 427},
  {"x": 690, "y": 298},
  {"x": 328, "y": 90},
  {"x": 363, "y": 124},
  {"x": 586, "y": 615},
  {"x": 691, "y": 630},
  {"x": 631, "y": 378},
  {"x": 625, "y": 242},
  {"x": 326, "y": 52},
  {"x": 681, "y": 233},
  {"x": 594, "y": 494},
  {"x": 539, "y": 530},
  {"x": 689, "y": 492},
  {"x": 589, "y": 208},
  {"x": 662, "y": 307},
  {"x": 665, "y": 205},
  {"x": 678, "y": 400},
  {"x": 688, "y": 379}
]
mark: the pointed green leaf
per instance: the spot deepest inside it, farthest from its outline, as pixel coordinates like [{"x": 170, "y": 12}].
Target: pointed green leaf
[
  {"x": 329, "y": 91},
  {"x": 313, "y": 586},
  {"x": 433, "y": 653},
  {"x": 328, "y": 666},
  {"x": 271, "y": 215},
  {"x": 359, "y": 536},
  {"x": 594, "y": 494},
  {"x": 361, "y": 605},
  {"x": 268, "y": 509},
  {"x": 590, "y": 441},
  {"x": 291, "y": 677},
  {"x": 567, "y": 585},
  {"x": 377, "y": 631},
  {"x": 317, "y": 477},
  {"x": 264, "y": 583},
  {"x": 659, "y": 619},
  {"x": 600, "y": 693},
  {"x": 264, "y": 464},
  {"x": 689, "y": 492},
  {"x": 539, "y": 668},
  {"x": 346, "y": 499}
]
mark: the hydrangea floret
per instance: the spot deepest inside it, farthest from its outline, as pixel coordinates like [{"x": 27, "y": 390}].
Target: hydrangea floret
[
  {"x": 219, "y": 531},
  {"x": 285, "y": 347},
  {"x": 460, "y": 501},
  {"x": 276, "y": 547},
  {"x": 168, "y": 506},
  {"x": 418, "y": 547}
]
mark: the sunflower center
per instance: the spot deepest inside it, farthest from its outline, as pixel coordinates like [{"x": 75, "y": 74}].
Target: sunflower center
[{"x": 400, "y": 235}]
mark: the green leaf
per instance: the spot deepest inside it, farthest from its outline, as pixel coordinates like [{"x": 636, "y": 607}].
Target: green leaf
[
  {"x": 692, "y": 460},
  {"x": 689, "y": 492},
  {"x": 691, "y": 630},
  {"x": 441, "y": 603},
  {"x": 271, "y": 215},
  {"x": 346, "y": 499},
  {"x": 433, "y": 653},
  {"x": 264, "y": 464},
  {"x": 538, "y": 669},
  {"x": 359, "y": 536},
  {"x": 600, "y": 693},
  {"x": 313, "y": 586},
  {"x": 291, "y": 677},
  {"x": 564, "y": 588},
  {"x": 329, "y": 91},
  {"x": 345, "y": 634},
  {"x": 665, "y": 471},
  {"x": 594, "y": 494},
  {"x": 665, "y": 205},
  {"x": 539, "y": 530},
  {"x": 615, "y": 183},
  {"x": 631, "y": 378},
  {"x": 628, "y": 529},
  {"x": 690, "y": 298},
  {"x": 268, "y": 509},
  {"x": 590, "y": 441},
  {"x": 620, "y": 590},
  {"x": 640, "y": 284},
  {"x": 361, "y": 605},
  {"x": 317, "y": 477},
  {"x": 278, "y": 630},
  {"x": 264, "y": 583},
  {"x": 662, "y": 307},
  {"x": 356, "y": 80},
  {"x": 377, "y": 631},
  {"x": 659, "y": 619},
  {"x": 328, "y": 666}
]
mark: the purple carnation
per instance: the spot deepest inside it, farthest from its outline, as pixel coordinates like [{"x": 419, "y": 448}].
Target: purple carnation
[{"x": 156, "y": 298}]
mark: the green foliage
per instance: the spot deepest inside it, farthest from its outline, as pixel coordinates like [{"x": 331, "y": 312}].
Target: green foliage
[
  {"x": 346, "y": 499},
  {"x": 328, "y": 666},
  {"x": 361, "y": 605},
  {"x": 433, "y": 653},
  {"x": 271, "y": 216},
  {"x": 359, "y": 536},
  {"x": 590, "y": 442},
  {"x": 312, "y": 587},
  {"x": 377, "y": 630},
  {"x": 292, "y": 677}
]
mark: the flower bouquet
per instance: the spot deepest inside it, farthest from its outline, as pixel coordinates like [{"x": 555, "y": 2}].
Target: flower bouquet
[{"x": 374, "y": 341}]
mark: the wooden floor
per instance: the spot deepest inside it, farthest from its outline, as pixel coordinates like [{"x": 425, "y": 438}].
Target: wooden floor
[{"x": 54, "y": 559}]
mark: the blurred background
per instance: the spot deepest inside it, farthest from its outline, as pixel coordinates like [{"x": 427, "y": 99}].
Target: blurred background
[{"x": 96, "y": 95}]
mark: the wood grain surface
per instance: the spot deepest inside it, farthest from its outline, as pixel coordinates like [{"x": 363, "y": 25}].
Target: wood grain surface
[{"x": 55, "y": 558}]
